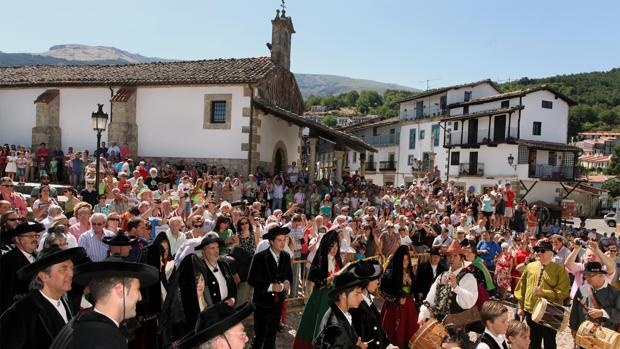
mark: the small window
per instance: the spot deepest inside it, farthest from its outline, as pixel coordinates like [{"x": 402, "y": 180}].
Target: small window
[
  {"x": 422, "y": 133},
  {"x": 410, "y": 160},
  {"x": 218, "y": 112},
  {"x": 455, "y": 158},
  {"x": 553, "y": 158},
  {"x": 537, "y": 128},
  {"x": 506, "y": 104},
  {"x": 375, "y": 131},
  {"x": 547, "y": 105},
  {"x": 466, "y": 109},
  {"x": 354, "y": 156},
  {"x": 467, "y": 96},
  {"x": 412, "y": 138},
  {"x": 456, "y": 126},
  {"x": 392, "y": 131},
  {"x": 419, "y": 109}
]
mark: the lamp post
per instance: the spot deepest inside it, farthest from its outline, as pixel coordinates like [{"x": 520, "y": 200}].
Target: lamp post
[{"x": 100, "y": 121}]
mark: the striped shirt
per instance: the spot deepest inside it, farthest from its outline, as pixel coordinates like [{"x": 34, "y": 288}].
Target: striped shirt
[{"x": 95, "y": 248}]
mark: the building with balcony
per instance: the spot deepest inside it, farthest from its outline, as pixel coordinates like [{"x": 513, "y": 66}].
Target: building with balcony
[{"x": 518, "y": 137}]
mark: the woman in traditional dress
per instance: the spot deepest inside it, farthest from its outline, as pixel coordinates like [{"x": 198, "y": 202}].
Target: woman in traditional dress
[
  {"x": 399, "y": 314},
  {"x": 325, "y": 264}
]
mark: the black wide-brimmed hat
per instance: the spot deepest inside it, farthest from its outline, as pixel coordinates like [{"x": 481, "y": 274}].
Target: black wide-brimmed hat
[
  {"x": 593, "y": 268},
  {"x": 48, "y": 257},
  {"x": 120, "y": 239},
  {"x": 214, "y": 321},
  {"x": 115, "y": 267},
  {"x": 23, "y": 228},
  {"x": 209, "y": 239},
  {"x": 275, "y": 230},
  {"x": 345, "y": 280},
  {"x": 367, "y": 269}
]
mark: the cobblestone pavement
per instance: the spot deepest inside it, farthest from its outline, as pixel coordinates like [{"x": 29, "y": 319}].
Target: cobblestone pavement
[{"x": 284, "y": 340}]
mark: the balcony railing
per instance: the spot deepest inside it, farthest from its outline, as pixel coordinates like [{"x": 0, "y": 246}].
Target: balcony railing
[
  {"x": 556, "y": 173},
  {"x": 387, "y": 165},
  {"x": 413, "y": 114},
  {"x": 482, "y": 137},
  {"x": 422, "y": 166},
  {"x": 370, "y": 166},
  {"x": 471, "y": 169},
  {"x": 389, "y": 139}
]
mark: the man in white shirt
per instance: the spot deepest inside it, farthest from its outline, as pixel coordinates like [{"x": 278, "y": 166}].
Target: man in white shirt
[{"x": 293, "y": 173}]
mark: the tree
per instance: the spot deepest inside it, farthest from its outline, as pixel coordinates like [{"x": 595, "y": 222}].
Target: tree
[
  {"x": 613, "y": 186},
  {"x": 614, "y": 166},
  {"x": 330, "y": 120},
  {"x": 367, "y": 100},
  {"x": 331, "y": 102}
]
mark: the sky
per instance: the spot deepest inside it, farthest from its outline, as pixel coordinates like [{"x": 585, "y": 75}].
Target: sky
[{"x": 398, "y": 41}]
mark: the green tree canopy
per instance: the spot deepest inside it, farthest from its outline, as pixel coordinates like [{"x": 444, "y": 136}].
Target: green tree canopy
[{"x": 330, "y": 120}]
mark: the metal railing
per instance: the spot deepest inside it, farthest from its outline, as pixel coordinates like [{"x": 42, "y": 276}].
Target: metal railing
[
  {"x": 559, "y": 172},
  {"x": 387, "y": 165},
  {"x": 389, "y": 139},
  {"x": 468, "y": 169},
  {"x": 482, "y": 137},
  {"x": 370, "y": 166}
]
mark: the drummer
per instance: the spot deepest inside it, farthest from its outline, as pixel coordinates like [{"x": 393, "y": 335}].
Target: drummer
[
  {"x": 541, "y": 279},
  {"x": 601, "y": 299}
]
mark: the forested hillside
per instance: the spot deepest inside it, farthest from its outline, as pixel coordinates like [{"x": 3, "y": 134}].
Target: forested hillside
[{"x": 598, "y": 95}]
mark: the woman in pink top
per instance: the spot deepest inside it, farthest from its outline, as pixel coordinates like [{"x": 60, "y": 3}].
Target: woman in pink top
[{"x": 593, "y": 254}]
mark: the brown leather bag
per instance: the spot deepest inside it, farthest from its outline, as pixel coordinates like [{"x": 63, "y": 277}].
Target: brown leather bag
[{"x": 463, "y": 318}]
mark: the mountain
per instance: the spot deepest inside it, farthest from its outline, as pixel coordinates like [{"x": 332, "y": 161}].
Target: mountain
[
  {"x": 328, "y": 85},
  {"x": 310, "y": 84}
]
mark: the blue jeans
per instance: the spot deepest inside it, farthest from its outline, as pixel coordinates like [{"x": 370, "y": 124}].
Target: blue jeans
[
  {"x": 78, "y": 178},
  {"x": 276, "y": 204}
]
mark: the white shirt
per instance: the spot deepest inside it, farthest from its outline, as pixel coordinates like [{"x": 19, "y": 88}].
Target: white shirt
[
  {"x": 220, "y": 280},
  {"x": 97, "y": 311},
  {"x": 57, "y": 304},
  {"x": 28, "y": 256},
  {"x": 466, "y": 292},
  {"x": 175, "y": 243},
  {"x": 499, "y": 339}
]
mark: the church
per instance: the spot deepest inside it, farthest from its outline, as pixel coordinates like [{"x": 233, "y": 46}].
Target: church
[{"x": 238, "y": 113}]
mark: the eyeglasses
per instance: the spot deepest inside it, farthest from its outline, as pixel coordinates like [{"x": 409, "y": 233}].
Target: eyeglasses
[
  {"x": 8, "y": 185},
  {"x": 114, "y": 219},
  {"x": 240, "y": 334},
  {"x": 97, "y": 224}
]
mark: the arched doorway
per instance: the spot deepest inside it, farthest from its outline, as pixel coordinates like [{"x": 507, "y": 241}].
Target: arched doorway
[{"x": 280, "y": 161}]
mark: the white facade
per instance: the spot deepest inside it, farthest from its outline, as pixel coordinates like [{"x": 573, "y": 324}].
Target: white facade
[
  {"x": 421, "y": 149},
  {"x": 274, "y": 133},
  {"x": 18, "y": 114}
]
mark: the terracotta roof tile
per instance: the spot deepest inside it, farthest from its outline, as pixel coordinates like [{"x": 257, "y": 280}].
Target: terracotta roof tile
[
  {"x": 47, "y": 96},
  {"x": 448, "y": 88},
  {"x": 123, "y": 94},
  {"x": 217, "y": 71}
]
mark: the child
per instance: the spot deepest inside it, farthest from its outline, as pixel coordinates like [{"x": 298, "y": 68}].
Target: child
[
  {"x": 42, "y": 164},
  {"x": 22, "y": 163},
  {"x": 518, "y": 334},
  {"x": 54, "y": 169},
  {"x": 495, "y": 319},
  {"x": 360, "y": 251}
]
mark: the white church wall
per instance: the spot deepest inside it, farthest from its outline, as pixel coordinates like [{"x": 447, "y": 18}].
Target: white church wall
[
  {"x": 76, "y": 107},
  {"x": 18, "y": 115},
  {"x": 274, "y": 130},
  {"x": 170, "y": 123}
]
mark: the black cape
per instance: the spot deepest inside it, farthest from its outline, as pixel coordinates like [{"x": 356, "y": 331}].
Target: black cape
[
  {"x": 335, "y": 331},
  {"x": 32, "y": 322},
  {"x": 90, "y": 330},
  {"x": 367, "y": 324},
  {"x": 12, "y": 287}
]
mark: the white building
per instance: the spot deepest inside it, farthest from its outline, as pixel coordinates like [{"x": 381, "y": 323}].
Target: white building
[
  {"x": 422, "y": 142},
  {"x": 518, "y": 137},
  {"x": 237, "y": 113}
]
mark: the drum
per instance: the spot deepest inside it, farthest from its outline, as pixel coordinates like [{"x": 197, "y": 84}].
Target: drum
[
  {"x": 551, "y": 315},
  {"x": 430, "y": 336},
  {"x": 593, "y": 336}
]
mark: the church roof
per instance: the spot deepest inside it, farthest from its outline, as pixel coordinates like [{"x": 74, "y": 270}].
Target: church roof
[{"x": 216, "y": 71}]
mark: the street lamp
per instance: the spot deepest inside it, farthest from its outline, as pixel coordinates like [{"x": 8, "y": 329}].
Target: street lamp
[
  {"x": 511, "y": 160},
  {"x": 100, "y": 121}
]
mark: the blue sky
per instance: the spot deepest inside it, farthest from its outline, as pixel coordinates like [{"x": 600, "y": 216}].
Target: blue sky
[{"x": 397, "y": 41}]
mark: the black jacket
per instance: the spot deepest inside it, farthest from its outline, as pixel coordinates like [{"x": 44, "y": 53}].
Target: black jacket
[
  {"x": 212, "y": 284},
  {"x": 264, "y": 271},
  {"x": 425, "y": 278},
  {"x": 335, "y": 331},
  {"x": 32, "y": 322},
  {"x": 90, "y": 330},
  {"x": 608, "y": 299},
  {"x": 10, "y": 263},
  {"x": 367, "y": 324}
]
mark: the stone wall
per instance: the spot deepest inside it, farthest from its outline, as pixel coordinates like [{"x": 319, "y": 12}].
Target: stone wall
[
  {"x": 232, "y": 165},
  {"x": 47, "y": 129},
  {"x": 123, "y": 128}
]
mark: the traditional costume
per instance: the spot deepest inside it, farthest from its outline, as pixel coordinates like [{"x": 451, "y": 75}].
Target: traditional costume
[
  {"x": 323, "y": 266},
  {"x": 366, "y": 317},
  {"x": 426, "y": 275},
  {"x": 35, "y": 319},
  {"x": 92, "y": 329},
  {"x": 215, "y": 275},
  {"x": 399, "y": 321},
  {"x": 606, "y": 298},
  {"x": 336, "y": 327},
  {"x": 268, "y": 269},
  {"x": 13, "y": 261}
]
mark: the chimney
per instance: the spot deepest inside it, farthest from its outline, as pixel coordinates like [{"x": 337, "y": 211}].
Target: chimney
[{"x": 282, "y": 29}]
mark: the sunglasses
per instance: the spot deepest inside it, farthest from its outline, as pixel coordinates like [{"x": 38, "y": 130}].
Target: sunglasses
[
  {"x": 8, "y": 185},
  {"x": 197, "y": 225},
  {"x": 12, "y": 219}
]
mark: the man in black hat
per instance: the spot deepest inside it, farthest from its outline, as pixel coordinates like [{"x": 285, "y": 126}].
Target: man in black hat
[
  {"x": 119, "y": 245},
  {"x": 366, "y": 317},
  {"x": 336, "y": 328},
  {"x": 35, "y": 319},
  {"x": 271, "y": 276},
  {"x": 218, "y": 277},
  {"x": 115, "y": 288},
  {"x": 426, "y": 274},
  {"x": 218, "y": 327},
  {"x": 26, "y": 239},
  {"x": 596, "y": 300}
]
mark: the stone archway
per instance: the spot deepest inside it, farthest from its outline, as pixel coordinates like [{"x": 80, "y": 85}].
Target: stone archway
[{"x": 280, "y": 159}]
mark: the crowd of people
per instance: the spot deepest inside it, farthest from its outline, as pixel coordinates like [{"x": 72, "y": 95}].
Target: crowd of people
[{"x": 157, "y": 255}]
